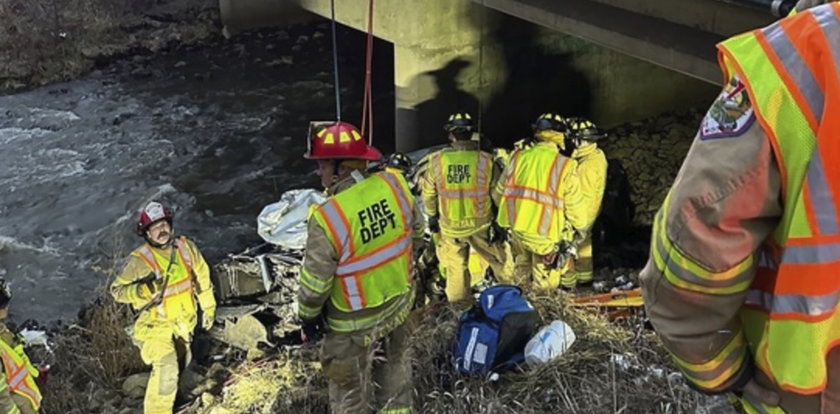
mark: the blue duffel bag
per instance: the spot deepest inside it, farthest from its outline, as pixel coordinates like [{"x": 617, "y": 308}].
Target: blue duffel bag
[{"x": 492, "y": 335}]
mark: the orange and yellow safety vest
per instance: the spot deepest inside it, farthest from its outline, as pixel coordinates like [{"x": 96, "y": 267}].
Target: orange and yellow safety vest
[
  {"x": 791, "y": 70},
  {"x": 370, "y": 227},
  {"x": 20, "y": 374},
  {"x": 532, "y": 203},
  {"x": 462, "y": 180},
  {"x": 178, "y": 298}
]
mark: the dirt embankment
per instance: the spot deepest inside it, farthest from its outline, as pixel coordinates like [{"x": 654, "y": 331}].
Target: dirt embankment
[
  {"x": 613, "y": 367},
  {"x": 58, "y": 40}
]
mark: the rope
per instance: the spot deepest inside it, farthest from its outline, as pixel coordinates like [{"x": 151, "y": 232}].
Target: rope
[
  {"x": 367, "y": 102},
  {"x": 335, "y": 65},
  {"x": 481, "y": 66}
]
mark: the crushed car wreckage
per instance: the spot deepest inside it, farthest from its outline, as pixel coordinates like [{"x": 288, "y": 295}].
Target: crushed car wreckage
[{"x": 257, "y": 288}]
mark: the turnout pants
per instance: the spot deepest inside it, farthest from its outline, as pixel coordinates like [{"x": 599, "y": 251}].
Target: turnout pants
[
  {"x": 162, "y": 353},
  {"x": 366, "y": 378},
  {"x": 454, "y": 255},
  {"x": 584, "y": 270},
  {"x": 531, "y": 273}
]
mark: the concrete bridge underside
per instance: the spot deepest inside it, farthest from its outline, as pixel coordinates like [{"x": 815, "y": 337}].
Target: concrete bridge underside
[{"x": 510, "y": 60}]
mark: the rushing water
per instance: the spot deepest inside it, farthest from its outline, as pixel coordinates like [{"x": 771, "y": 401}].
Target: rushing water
[{"x": 217, "y": 132}]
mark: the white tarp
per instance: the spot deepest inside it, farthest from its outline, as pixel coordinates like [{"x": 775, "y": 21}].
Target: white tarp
[{"x": 284, "y": 223}]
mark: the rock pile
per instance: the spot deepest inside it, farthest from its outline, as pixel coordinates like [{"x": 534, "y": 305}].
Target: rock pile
[{"x": 652, "y": 151}]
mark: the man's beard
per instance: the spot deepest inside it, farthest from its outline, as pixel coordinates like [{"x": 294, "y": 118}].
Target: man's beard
[{"x": 167, "y": 237}]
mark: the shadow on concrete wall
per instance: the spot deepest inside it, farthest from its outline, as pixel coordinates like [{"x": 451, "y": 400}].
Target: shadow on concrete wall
[
  {"x": 430, "y": 115},
  {"x": 538, "y": 81}
]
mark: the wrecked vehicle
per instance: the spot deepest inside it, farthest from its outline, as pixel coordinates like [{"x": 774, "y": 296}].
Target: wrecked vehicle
[{"x": 256, "y": 289}]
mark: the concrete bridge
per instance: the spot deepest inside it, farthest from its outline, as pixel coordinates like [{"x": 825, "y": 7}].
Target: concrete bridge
[{"x": 510, "y": 60}]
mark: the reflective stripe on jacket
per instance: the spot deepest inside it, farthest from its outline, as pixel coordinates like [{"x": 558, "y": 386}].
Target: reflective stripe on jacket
[
  {"x": 370, "y": 227},
  {"x": 178, "y": 293},
  {"x": 539, "y": 192},
  {"x": 592, "y": 171},
  {"x": 790, "y": 69},
  {"x": 462, "y": 182},
  {"x": 20, "y": 374}
]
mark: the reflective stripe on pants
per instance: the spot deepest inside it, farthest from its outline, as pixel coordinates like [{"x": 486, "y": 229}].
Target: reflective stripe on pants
[{"x": 161, "y": 352}]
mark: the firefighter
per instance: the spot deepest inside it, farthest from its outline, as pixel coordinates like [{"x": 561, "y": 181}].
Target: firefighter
[
  {"x": 742, "y": 284},
  {"x": 167, "y": 282},
  {"x": 20, "y": 393},
  {"x": 541, "y": 203},
  {"x": 592, "y": 171},
  {"x": 456, "y": 196},
  {"x": 356, "y": 281},
  {"x": 398, "y": 163}
]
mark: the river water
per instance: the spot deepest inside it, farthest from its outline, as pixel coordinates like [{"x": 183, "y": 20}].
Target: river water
[{"x": 216, "y": 131}]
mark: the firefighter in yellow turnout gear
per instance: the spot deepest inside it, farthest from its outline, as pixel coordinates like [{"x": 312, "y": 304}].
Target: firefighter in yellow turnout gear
[
  {"x": 356, "y": 280},
  {"x": 742, "y": 281},
  {"x": 456, "y": 196},
  {"x": 592, "y": 171},
  {"x": 540, "y": 201},
  {"x": 19, "y": 392},
  {"x": 166, "y": 280}
]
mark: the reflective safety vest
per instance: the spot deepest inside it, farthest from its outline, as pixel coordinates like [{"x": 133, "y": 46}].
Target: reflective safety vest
[
  {"x": 462, "y": 179},
  {"x": 370, "y": 227},
  {"x": 178, "y": 298},
  {"x": 532, "y": 202},
  {"x": 20, "y": 374},
  {"x": 790, "y": 70}
]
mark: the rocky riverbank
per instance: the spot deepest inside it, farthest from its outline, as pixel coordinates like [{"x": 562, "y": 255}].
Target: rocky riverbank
[
  {"x": 51, "y": 41},
  {"x": 96, "y": 368},
  {"x": 651, "y": 152}
]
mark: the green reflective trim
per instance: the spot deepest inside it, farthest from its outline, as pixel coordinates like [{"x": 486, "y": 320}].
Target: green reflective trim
[
  {"x": 777, "y": 108},
  {"x": 400, "y": 410},
  {"x": 683, "y": 272},
  {"x": 308, "y": 312},
  {"x": 712, "y": 374},
  {"x": 401, "y": 308},
  {"x": 313, "y": 283}
]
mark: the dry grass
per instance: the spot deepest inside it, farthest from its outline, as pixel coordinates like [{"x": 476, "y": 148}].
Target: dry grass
[
  {"x": 95, "y": 353},
  {"x": 58, "y": 40},
  {"x": 92, "y": 355},
  {"x": 289, "y": 382},
  {"x": 586, "y": 380}
]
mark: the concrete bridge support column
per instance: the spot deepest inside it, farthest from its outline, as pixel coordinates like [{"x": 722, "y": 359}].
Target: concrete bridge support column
[
  {"x": 448, "y": 68},
  {"x": 437, "y": 49}
]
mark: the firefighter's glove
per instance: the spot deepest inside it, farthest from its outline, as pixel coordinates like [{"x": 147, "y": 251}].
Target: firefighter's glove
[
  {"x": 497, "y": 233},
  {"x": 149, "y": 285},
  {"x": 312, "y": 330},
  {"x": 208, "y": 318}
]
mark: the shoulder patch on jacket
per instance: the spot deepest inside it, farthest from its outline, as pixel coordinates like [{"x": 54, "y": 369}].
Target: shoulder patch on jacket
[{"x": 731, "y": 114}]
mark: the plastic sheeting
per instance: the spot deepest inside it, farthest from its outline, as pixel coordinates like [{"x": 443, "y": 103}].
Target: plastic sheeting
[
  {"x": 549, "y": 343},
  {"x": 284, "y": 223}
]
